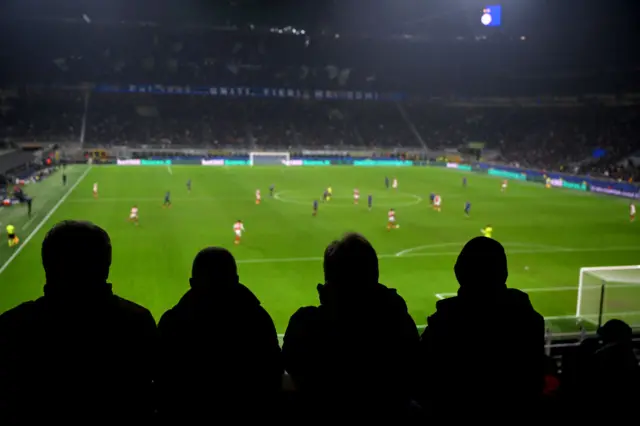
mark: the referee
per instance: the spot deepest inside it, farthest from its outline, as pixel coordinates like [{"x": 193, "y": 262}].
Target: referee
[{"x": 13, "y": 238}]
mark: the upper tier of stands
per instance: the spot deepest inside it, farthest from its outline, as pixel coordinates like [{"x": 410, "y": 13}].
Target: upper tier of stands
[{"x": 446, "y": 95}]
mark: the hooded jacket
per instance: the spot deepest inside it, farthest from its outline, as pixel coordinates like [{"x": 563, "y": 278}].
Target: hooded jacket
[{"x": 482, "y": 349}]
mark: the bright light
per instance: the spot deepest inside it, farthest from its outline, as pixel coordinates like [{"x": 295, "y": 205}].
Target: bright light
[{"x": 486, "y": 19}]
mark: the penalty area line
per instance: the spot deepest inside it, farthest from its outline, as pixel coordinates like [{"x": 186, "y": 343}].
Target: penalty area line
[
  {"x": 440, "y": 253},
  {"x": 44, "y": 221},
  {"x": 516, "y": 246},
  {"x": 526, "y": 290}
]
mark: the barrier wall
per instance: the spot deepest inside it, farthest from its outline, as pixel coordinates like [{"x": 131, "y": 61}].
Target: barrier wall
[
  {"x": 564, "y": 180},
  {"x": 550, "y": 179}
]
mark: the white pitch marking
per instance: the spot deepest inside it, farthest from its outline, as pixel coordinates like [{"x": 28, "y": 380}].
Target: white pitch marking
[
  {"x": 442, "y": 253},
  {"x": 44, "y": 221},
  {"x": 526, "y": 290},
  {"x": 532, "y": 246},
  {"x": 439, "y": 296},
  {"x": 400, "y": 253},
  {"x": 29, "y": 221},
  {"x": 565, "y": 288},
  {"x": 169, "y": 169},
  {"x": 532, "y": 251}
]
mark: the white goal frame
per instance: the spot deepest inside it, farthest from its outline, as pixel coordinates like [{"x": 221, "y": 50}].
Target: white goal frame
[
  {"x": 285, "y": 154},
  {"x": 581, "y": 285}
]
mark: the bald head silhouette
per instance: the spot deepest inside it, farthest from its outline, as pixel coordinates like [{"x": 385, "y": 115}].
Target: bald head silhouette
[
  {"x": 214, "y": 266},
  {"x": 482, "y": 265}
]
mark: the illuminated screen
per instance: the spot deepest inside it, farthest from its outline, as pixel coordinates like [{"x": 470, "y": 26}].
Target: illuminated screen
[{"x": 492, "y": 16}]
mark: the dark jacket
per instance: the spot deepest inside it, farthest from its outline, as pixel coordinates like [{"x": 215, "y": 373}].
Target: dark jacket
[
  {"x": 76, "y": 355},
  {"x": 482, "y": 350},
  {"x": 615, "y": 368},
  {"x": 353, "y": 350},
  {"x": 219, "y": 355}
]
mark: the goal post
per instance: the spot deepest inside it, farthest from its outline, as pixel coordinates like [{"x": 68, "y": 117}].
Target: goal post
[
  {"x": 608, "y": 292},
  {"x": 269, "y": 158}
]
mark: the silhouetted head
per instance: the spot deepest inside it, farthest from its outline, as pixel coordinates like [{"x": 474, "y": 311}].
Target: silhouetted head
[
  {"x": 615, "y": 331},
  {"x": 213, "y": 266},
  {"x": 481, "y": 265},
  {"x": 351, "y": 262},
  {"x": 76, "y": 253}
]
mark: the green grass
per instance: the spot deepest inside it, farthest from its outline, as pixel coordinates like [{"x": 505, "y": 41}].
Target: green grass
[{"x": 549, "y": 233}]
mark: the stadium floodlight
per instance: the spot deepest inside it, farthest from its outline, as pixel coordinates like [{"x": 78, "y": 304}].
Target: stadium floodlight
[
  {"x": 269, "y": 158},
  {"x": 609, "y": 292}
]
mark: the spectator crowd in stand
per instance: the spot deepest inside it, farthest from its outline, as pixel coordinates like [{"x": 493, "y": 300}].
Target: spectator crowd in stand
[
  {"x": 80, "y": 353},
  {"x": 559, "y": 139},
  {"x": 526, "y": 108}
]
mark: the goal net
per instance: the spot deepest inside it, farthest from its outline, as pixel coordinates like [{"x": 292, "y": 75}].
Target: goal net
[
  {"x": 609, "y": 292},
  {"x": 269, "y": 158}
]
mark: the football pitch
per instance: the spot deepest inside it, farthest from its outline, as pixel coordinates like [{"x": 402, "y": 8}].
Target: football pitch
[{"x": 548, "y": 233}]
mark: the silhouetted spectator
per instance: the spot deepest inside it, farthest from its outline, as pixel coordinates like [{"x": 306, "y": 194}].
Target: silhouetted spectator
[
  {"x": 615, "y": 365},
  {"x": 219, "y": 349},
  {"x": 577, "y": 367},
  {"x": 483, "y": 350},
  {"x": 352, "y": 356},
  {"x": 79, "y": 353}
]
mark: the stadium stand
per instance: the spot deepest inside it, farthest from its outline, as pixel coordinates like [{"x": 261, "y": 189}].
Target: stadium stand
[{"x": 551, "y": 138}]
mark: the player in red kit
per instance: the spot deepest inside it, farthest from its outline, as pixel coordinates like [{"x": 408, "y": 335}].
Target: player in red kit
[
  {"x": 437, "y": 202},
  {"x": 238, "y": 229},
  {"x": 391, "y": 223},
  {"x": 503, "y": 188},
  {"x": 356, "y": 196},
  {"x": 258, "y": 197},
  {"x": 133, "y": 216}
]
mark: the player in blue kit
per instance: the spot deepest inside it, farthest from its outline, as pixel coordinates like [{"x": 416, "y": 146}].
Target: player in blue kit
[
  {"x": 189, "y": 186},
  {"x": 167, "y": 200},
  {"x": 432, "y": 196},
  {"x": 272, "y": 190},
  {"x": 464, "y": 182},
  {"x": 315, "y": 208},
  {"x": 386, "y": 182},
  {"x": 370, "y": 201},
  {"x": 467, "y": 208},
  {"x": 325, "y": 196}
]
